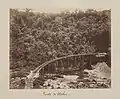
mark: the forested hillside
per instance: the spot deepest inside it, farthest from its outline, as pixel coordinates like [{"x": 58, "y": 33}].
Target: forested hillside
[{"x": 39, "y": 37}]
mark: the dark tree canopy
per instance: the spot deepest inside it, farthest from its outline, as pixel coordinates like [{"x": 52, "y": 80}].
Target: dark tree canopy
[{"x": 39, "y": 37}]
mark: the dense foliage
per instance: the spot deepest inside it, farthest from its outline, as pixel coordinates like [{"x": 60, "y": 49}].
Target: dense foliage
[{"x": 39, "y": 37}]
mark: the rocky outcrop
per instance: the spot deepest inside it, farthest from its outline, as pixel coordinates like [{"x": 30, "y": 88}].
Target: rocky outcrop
[{"x": 101, "y": 70}]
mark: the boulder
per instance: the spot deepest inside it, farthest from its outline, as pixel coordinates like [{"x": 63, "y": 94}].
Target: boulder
[{"x": 101, "y": 70}]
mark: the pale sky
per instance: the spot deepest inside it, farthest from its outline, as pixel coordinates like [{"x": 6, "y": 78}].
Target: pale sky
[
  {"x": 61, "y": 5},
  {"x": 56, "y": 10}
]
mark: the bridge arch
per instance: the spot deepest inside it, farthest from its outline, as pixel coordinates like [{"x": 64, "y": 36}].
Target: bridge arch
[{"x": 81, "y": 57}]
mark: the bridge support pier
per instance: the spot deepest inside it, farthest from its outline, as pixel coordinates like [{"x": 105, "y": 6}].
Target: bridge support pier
[
  {"x": 29, "y": 83},
  {"x": 30, "y": 79}
]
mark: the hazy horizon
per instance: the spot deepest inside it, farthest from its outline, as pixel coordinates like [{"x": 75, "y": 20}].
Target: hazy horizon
[{"x": 57, "y": 10}]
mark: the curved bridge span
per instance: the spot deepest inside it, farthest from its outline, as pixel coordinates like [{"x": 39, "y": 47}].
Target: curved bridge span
[{"x": 62, "y": 64}]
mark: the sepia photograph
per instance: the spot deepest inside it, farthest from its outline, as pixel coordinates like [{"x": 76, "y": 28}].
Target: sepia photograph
[{"x": 59, "y": 48}]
